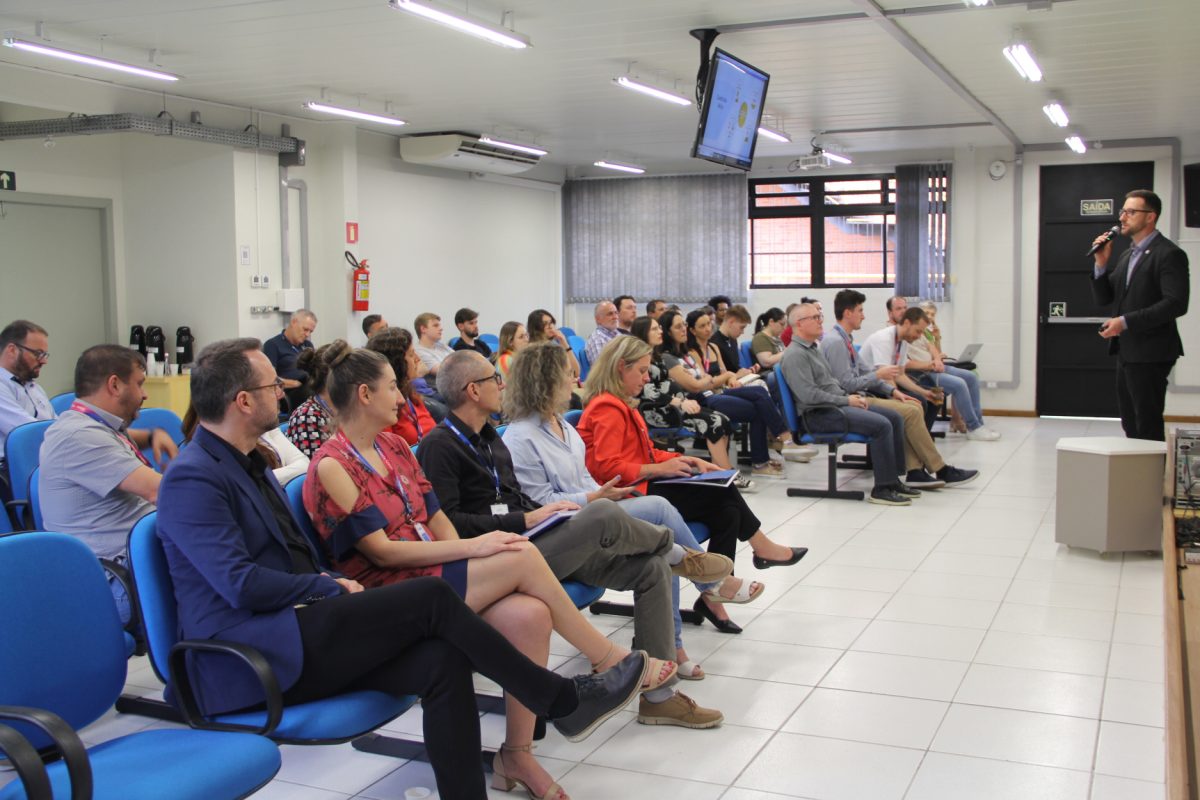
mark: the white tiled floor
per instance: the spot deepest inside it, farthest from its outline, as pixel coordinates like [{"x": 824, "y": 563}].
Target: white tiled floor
[{"x": 946, "y": 651}]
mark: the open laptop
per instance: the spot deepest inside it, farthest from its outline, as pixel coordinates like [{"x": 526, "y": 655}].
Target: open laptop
[{"x": 970, "y": 353}]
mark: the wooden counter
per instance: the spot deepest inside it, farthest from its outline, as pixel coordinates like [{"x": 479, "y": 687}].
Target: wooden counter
[{"x": 169, "y": 391}]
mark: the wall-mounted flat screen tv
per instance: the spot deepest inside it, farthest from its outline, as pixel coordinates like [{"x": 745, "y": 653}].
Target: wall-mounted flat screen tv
[{"x": 732, "y": 109}]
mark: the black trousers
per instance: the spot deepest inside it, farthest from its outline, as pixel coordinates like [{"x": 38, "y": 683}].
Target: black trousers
[
  {"x": 724, "y": 511},
  {"x": 418, "y": 637},
  {"x": 1141, "y": 397}
]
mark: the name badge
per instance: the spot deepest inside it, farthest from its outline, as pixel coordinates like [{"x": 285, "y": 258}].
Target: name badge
[
  {"x": 499, "y": 509},
  {"x": 422, "y": 531}
]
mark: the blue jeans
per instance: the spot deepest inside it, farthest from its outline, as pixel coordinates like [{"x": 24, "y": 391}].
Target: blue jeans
[
  {"x": 121, "y": 599},
  {"x": 883, "y": 427},
  {"x": 753, "y": 405},
  {"x": 963, "y": 387},
  {"x": 658, "y": 511}
]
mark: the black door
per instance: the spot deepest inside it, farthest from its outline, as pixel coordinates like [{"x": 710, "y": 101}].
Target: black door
[{"x": 1075, "y": 375}]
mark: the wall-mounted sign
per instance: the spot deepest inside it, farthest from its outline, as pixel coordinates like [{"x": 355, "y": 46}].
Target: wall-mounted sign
[
  {"x": 8, "y": 180},
  {"x": 1058, "y": 309},
  {"x": 1096, "y": 208},
  {"x": 351, "y": 233}
]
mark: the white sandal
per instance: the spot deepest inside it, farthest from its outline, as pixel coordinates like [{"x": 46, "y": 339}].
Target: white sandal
[
  {"x": 742, "y": 595},
  {"x": 688, "y": 671}
]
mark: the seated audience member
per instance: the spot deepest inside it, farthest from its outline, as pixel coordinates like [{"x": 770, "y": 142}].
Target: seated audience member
[
  {"x": 618, "y": 446},
  {"x": 927, "y": 353},
  {"x": 379, "y": 519},
  {"x": 890, "y": 346},
  {"x": 513, "y": 338},
  {"x": 665, "y": 404},
  {"x": 725, "y": 337},
  {"x": 311, "y": 422},
  {"x": 626, "y": 312},
  {"x": 94, "y": 482},
  {"x": 542, "y": 326},
  {"x": 606, "y": 317},
  {"x": 413, "y": 420},
  {"x": 428, "y": 328},
  {"x": 283, "y": 458},
  {"x": 812, "y": 383},
  {"x": 655, "y": 308},
  {"x": 372, "y": 324},
  {"x": 472, "y": 475},
  {"x": 283, "y": 351},
  {"x": 786, "y": 336},
  {"x": 719, "y": 304},
  {"x": 24, "y": 348},
  {"x": 548, "y": 457},
  {"x": 722, "y": 389},
  {"x": 243, "y": 572},
  {"x": 766, "y": 346},
  {"x": 467, "y": 322},
  {"x": 856, "y": 377}
]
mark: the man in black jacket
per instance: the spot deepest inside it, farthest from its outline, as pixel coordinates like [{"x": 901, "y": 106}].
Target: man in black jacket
[{"x": 1148, "y": 289}]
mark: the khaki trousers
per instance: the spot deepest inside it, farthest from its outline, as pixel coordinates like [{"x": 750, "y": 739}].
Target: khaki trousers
[{"x": 919, "y": 450}]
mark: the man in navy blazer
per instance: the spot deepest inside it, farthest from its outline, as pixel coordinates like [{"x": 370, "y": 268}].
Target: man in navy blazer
[
  {"x": 244, "y": 572},
  {"x": 1148, "y": 289}
]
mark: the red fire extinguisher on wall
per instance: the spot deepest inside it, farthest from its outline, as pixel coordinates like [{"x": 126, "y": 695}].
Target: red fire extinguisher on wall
[{"x": 360, "y": 295}]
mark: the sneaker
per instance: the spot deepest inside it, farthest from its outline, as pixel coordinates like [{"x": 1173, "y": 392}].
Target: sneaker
[
  {"x": 982, "y": 434},
  {"x": 953, "y": 476},
  {"x": 680, "y": 710},
  {"x": 702, "y": 567},
  {"x": 886, "y": 496},
  {"x": 904, "y": 490},
  {"x": 802, "y": 453},
  {"x": 768, "y": 470},
  {"x": 920, "y": 479},
  {"x": 601, "y": 695},
  {"x": 744, "y": 484}
]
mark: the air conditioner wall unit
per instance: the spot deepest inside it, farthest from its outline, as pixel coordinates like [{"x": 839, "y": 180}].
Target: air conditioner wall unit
[{"x": 463, "y": 151}]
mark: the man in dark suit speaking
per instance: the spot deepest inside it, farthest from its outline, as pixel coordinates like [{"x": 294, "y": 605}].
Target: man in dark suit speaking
[{"x": 1148, "y": 289}]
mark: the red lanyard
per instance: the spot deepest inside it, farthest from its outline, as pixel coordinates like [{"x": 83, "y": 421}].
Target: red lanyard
[
  {"x": 849, "y": 347},
  {"x": 409, "y": 514},
  {"x": 412, "y": 413},
  {"x": 896, "y": 354},
  {"x": 82, "y": 409}
]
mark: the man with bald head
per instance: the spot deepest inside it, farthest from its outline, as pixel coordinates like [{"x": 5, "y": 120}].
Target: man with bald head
[{"x": 607, "y": 329}]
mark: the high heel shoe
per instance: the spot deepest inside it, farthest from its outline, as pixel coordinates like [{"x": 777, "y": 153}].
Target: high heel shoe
[
  {"x": 504, "y": 783},
  {"x": 723, "y": 625}
]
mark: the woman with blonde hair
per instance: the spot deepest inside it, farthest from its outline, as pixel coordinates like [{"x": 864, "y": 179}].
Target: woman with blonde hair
[
  {"x": 618, "y": 446},
  {"x": 513, "y": 338}
]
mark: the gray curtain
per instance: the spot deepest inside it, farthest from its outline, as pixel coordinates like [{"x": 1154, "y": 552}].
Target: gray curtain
[
  {"x": 923, "y": 231},
  {"x": 679, "y": 238}
]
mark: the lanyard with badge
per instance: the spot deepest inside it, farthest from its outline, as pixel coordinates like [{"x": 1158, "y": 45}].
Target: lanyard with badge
[
  {"x": 410, "y": 517},
  {"x": 412, "y": 413},
  {"x": 82, "y": 409},
  {"x": 896, "y": 354},
  {"x": 498, "y": 507},
  {"x": 849, "y": 347}
]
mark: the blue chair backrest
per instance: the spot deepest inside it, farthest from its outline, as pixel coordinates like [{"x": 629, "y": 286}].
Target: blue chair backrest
[
  {"x": 747, "y": 358},
  {"x": 283, "y": 427},
  {"x": 573, "y": 416},
  {"x": 155, "y": 591},
  {"x": 163, "y": 418},
  {"x": 576, "y": 342},
  {"x": 35, "y": 508},
  {"x": 23, "y": 453},
  {"x": 61, "y": 402},
  {"x": 453, "y": 342},
  {"x": 64, "y": 651},
  {"x": 500, "y": 429},
  {"x": 789, "y": 402},
  {"x": 295, "y": 495},
  {"x": 585, "y": 366},
  {"x": 567, "y": 332},
  {"x": 491, "y": 340}
]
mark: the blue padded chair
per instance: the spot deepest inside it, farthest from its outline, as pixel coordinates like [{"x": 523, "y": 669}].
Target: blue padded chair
[
  {"x": 35, "y": 508},
  {"x": 572, "y": 416},
  {"x": 575, "y": 342},
  {"x": 567, "y": 332},
  {"x": 491, "y": 340},
  {"x": 164, "y": 418},
  {"x": 23, "y": 453},
  {"x": 332, "y": 720},
  {"x": 61, "y": 402},
  {"x": 585, "y": 366},
  {"x": 453, "y": 342},
  {"x": 283, "y": 427},
  {"x": 745, "y": 356},
  {"x": 61, "y": 667},
  {"x": 832, "y": 440}
]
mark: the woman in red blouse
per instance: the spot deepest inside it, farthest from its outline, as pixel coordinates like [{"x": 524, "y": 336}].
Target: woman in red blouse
[
  {"x": 619, "y": 446},
  {"x": 413, "y": 420},
  {"x": 380, "y": 520}
]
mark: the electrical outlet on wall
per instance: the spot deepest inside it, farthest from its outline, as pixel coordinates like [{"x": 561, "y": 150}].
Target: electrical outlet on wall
[
  {"x": 266, "y": 281},
  {"x": 255, "y": 281},
  {"x": 244, "y": 255}
]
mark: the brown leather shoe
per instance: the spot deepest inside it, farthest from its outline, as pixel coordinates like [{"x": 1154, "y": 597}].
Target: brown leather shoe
[
  {"x": 702, "y": 567},
  {"x": 680, "y": 710}
]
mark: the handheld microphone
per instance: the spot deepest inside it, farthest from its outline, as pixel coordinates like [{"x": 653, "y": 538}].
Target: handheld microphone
[{"x": 1108, "y": 237}]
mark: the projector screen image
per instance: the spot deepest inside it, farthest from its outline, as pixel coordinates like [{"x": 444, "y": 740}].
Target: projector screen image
[{"x": 732, "y": 109}]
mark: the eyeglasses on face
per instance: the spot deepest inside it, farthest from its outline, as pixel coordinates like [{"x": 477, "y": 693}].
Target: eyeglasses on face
[
  {"x": 40, "y": 355},
  {"x": 1125, "y": 212},
  {"x": 495, "y": 376},
  {"x": 820, "y": 317},
  {"x": 277, "y": 385}
]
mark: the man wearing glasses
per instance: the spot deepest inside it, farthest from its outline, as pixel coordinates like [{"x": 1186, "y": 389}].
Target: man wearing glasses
[
  {"x": 1148, "y": 289},
  {"x": 24, "y": 348}
]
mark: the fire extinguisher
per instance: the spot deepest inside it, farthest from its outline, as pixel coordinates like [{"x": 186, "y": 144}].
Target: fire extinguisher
[{"x": 361, "y": 293}]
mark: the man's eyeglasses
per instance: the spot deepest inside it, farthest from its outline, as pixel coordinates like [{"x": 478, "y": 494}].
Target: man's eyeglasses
[
  {"x": 495, "y": 376},
  {"x": 40, "y": 355},
  {"x": 276, "y": 384},
  {"x": 820, "y": 317},
  {"x": 1125, "y": 212}
]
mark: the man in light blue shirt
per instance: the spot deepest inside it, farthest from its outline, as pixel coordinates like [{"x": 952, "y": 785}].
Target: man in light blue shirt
[
  {"x": 24, "y": 348},
  {"x": 607, "y": 329}
]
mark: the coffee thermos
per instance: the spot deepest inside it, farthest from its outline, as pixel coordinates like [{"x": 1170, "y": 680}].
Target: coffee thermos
[
  {"x": 137, "y": 339},
  {"x": 184, "y": 342}
]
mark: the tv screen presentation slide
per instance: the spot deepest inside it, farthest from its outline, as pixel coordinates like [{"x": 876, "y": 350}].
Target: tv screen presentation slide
[{"x": 733, "y": 112}]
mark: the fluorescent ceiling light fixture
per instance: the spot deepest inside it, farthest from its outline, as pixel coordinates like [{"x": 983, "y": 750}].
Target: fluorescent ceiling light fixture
[
  {"x": 1021, "y": 57},
  {"x": 635, "y": 169},
  {"x": 652, "y": 91},
  {"x": 92, "y": 61},
  {"x": 353, "y": 114},
  {"x": 520, "y": 148},
  {"x": 837, "y": 158},
  {"x": 1057, "y": 114},
  {"x": 771, "y": 133},
  {"x": 977, "y": 3},
  {"x": 461, "y": 22},
  {"x": 1076, "y": 144}
]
